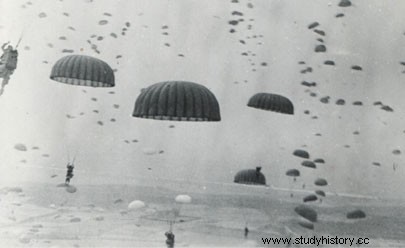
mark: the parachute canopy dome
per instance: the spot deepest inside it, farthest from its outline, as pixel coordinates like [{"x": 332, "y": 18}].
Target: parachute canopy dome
[
  {"x": 307, "y": 213},
  {"x": 356, "y": 214},
  {"x": 136, "y": 205},
  {"x": 311, "y": 197},
  {"x": 84, "y": 71},
  {"x": 308, "y": 164},
  {"x": 250, "y": 176},
  {"x": 321, "y": 182},
  {"x": 20, "y": 147},
  {"x": 71, "y": 189},
  {"x": 271, "y": 102},
  {"x": 307, "y": 225},
  {"x": 183, "y": 199},
  {"x": 177, "y": 101},
  {"x": 301, "y": 153},
  {"x": 293, "y": 173},
  {"x": 320, "y": 192}
]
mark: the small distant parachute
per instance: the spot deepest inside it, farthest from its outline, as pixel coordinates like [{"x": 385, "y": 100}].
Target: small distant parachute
[
  {"x": 320, "y": 48},
  {"x": 183, "y": 199},
  {"x": 396, "y": 152},
  {"x": 20, "y": 147},
  {"x": 319, "y": 160},
  {"x": 271, "y": 102},
  {"x": 301, "y": 153},
  {"x": 329, "y": 62},
  {"x": 387, "y": 108},
  {"x": 83, "y": 71},
  {"x": 308, "y": 164},
  {"x": 313, "y": 25},
  {"x": 103, "y": 22},
  {"x": 311, "y": 197},
  {"x": 250, "y": 176},
  {"x": 321, "y": 182},
  {"x": 320, "y": 192},
  {"x": 357, "y": 68},
  {"x": 137, "y": 204},
  {"x": 339, "y": 15},
  {"x": 344, "y": 3},
  {"x": 340, "y": 102},
  {"x": 376, "y": 164},
  {"x": 324, "y": 99},
  {"x": 177, "y": 101},
  {"x": 67, "y": 51},
  {"x": 307, "y": 225},
  {"x": 306, "y": 212},
  {"x": 356, "y": 214},
  {"x": 320, "y": 32},
  {"x": 42, "y": 15},
  {"x": 71, "y": 189},
  {"x": 293, "y": 173}
]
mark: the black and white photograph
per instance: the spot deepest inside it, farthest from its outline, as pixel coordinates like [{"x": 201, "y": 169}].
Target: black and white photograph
[{"x": 202, "y": 123}]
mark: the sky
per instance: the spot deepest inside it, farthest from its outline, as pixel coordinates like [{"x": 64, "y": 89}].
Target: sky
[{"x": 33, "y": 108}]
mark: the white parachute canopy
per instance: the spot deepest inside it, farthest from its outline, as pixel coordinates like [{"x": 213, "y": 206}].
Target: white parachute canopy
[
  {"x": 183, "y": 199},
  {"x": 149, "y": 151},
  {"x": 137, "y": 204},
  {"x": 20, "y": 147}
]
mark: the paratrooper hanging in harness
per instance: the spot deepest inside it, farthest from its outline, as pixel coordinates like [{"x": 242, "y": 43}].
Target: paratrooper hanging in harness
[{"x": 8, "y": 63}]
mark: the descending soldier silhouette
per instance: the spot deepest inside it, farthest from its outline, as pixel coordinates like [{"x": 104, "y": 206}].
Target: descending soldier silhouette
[
  {"x": 69, "y": 173},
  {"x": 8, "y": 63},
  {"x": 246, "y": 231},
  {"x": 170, "y": 237}
]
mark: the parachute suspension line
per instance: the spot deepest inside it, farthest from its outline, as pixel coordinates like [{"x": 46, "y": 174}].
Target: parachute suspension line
[
  {"x": 243, "y": 210},
  {"x": 19, "y": 41}
]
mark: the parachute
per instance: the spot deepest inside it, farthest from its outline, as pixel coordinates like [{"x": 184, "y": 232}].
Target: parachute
[
  {"x": 320, "y": 192},
  {"x": 345, "y": 3},
  {"x": 177, "y": 101},
  {"x": 70, "y": 189},
  {"x": 136, "y": 205},
  {"x": 293, "y": 173},
  {"x": 319, "y": 160},
  {"x": 308, "y": 164},
  {"x": 271, "y": 102},
  {"x": 307, "y": 213},
  {"x": 356, "y": 214},
  {"x": 183, "y": 199},
  {"x": 311, "y": 197},
  {"x": 84, "y": 71},
  {"x": 321, "y": 182},
  {"x": 307, "y": 225},
  {"x": 20, "y": 147},
  {"x": 301, "y": 153},
  {"x": 250, "y": 176}
]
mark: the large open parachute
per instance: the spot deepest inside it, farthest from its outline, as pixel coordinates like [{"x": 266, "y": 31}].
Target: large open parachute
[
  {"x": 177, "y": 101},
  {"x": 271, "y": 102},
  {"x": 250, "y": 176},
  {"x": 307, "y": 213},
  {"x": 84, "y": 71}
]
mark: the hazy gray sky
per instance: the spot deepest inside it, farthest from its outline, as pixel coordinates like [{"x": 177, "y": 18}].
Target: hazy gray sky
[{"x": 371, "y": 34}]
